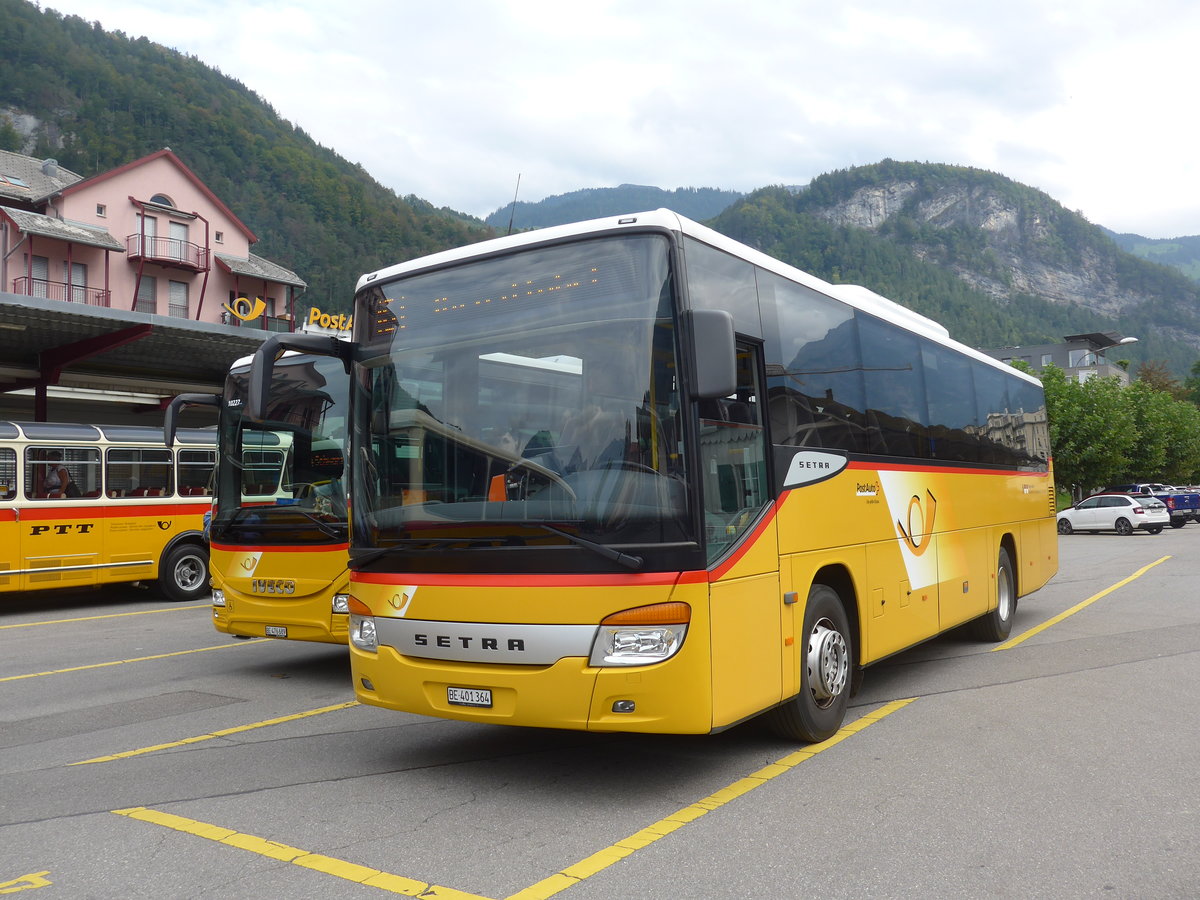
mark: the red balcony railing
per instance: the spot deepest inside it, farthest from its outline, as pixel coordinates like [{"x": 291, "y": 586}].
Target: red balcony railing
[
  {"x": 167, "y": 251},
  {"x": 60, "y": 290}
]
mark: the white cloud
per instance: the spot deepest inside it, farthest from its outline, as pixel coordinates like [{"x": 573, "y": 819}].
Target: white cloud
[{"x": 1085, "y": 99}]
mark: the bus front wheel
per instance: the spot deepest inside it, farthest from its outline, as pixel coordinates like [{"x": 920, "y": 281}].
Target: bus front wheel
[
  {"x": 826, "y": 664},
  {"x": 183, "y": 575}
]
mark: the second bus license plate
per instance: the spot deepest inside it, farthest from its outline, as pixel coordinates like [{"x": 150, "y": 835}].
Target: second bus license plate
[
  {"x": 276, "y": 630},
  {"x": 469, "y": 696}
]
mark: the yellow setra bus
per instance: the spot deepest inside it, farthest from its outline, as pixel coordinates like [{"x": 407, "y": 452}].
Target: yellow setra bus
[
  {"x": 631, "y": 475},
  {"x": 89, "y": 505},
  {"x": 277, "y": 534}
]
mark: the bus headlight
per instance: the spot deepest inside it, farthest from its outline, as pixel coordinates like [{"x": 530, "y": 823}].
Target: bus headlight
[
  {"x": 362, "y": 626},
  {"x": 218, "y": 596},
  {"x": 641, "y": 636},
  {"x": 341, "y": 603}
]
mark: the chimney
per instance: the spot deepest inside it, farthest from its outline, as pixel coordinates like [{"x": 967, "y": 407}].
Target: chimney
[{"x": 50, "y": 168}]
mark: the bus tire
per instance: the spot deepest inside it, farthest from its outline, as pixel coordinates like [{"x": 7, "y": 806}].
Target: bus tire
[
  {"x": 183, "y": 575},
  {"x": 817, "y": 712},
  {"x": 996, "y": 625}
]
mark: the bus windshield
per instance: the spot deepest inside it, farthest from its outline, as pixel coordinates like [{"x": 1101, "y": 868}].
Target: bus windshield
[
  {"x": 524, "y": 399},
  {"x": 281, "y": 481}
]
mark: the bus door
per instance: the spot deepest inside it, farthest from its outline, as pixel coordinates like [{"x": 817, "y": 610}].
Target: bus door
[
  {"x": 10, "y": 524},
  {"x": 64, "y": 538},
  {"x": 746, "y": 608}
]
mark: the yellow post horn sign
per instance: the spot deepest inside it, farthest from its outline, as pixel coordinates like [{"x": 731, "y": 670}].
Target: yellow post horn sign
[{"x": 245, "y": 308}]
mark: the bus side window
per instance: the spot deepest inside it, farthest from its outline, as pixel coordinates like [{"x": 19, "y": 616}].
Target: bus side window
[{"x": 8, "y": 473}]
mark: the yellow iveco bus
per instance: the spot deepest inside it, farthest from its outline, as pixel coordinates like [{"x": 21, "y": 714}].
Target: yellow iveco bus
[
  {"x": 631, "y": 475},
  {"x": 278, "y": 544},
  {"x": 89, "y": 505}
]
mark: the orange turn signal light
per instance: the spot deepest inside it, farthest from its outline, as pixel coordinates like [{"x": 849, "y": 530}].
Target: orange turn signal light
[{"x": 673, "y": 613}]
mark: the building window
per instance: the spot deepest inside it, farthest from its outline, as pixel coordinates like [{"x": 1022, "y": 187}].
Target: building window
[
  {"x": 101, "y": 210},
  {"x": 162, "y": 200},
  {"x": 1082, "y": 358},
  {"x": 178, "y": 299},
  {"x": 147, "y": 296},
  {"x": 219, "y": 237},
  {"x": 1047, "y": 359}
]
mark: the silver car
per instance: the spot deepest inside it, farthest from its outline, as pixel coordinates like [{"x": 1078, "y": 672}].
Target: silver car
[{"x": 1122, "y": 513}]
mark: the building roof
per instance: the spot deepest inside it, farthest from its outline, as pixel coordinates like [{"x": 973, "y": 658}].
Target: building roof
[
  {"x": 113, "y": 349},
  {"x": 257, "y": 267},
  {"x": 29, "y": 180},
  {"x": 46, "y": 226}
]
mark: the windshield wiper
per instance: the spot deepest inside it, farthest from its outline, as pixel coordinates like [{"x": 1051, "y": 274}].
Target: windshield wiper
[
  {"x": 405, "y": 544},
  {"x": 624, "y": 559},
  {"x": 322, "y": 526}
]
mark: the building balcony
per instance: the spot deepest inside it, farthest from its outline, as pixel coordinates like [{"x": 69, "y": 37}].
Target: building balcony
[
  {"x": 60, "y": 290},
  {"x": 170, "y": 252}
]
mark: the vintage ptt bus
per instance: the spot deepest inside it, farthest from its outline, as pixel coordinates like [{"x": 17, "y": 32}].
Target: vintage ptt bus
[
  {"x": 278, "y": 528},
  {"x": 631, "y": 475},
  {"x": 89, "y": 505}
]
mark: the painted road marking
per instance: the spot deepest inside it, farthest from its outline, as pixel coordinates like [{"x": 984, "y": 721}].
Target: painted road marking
[
  {"x": 121, "y": 662},
  {"x": 224, "y": 732},
  {"x": 601, "y": 860},
  {"x": 1012, "y": 642},
  {"x": 548, "y": 887},
  {"x": 140, "y": 612},
  {"x": 26, "y": 882},
  {"x": 338, "y": 868}
]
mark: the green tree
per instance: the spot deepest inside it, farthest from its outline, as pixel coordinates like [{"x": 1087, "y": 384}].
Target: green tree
[{"x": 1093, "y": 434}]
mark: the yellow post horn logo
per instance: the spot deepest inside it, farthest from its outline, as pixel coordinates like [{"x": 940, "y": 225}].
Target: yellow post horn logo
[
  {"x": 920, "y": 523},
  {"x": 245, "y": 308}
]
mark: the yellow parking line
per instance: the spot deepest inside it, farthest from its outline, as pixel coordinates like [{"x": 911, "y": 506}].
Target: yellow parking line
[
  {"x": 338, "y": 868},
  {"x": 548, "y": 887},
  {"x": 140, "y": 612},
  {"x": 604, "y": 858},
  {"x": 1012, "y": 642},
  {"x": 121, "y": 662},
  {"x": 224, "y": 732}
]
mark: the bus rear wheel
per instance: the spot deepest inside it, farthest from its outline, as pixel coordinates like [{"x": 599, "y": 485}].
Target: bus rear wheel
[
  {"x": 183, "y": 575},
  {"x": 817, "y": 712},
  {"x": 997, "y": 624}
]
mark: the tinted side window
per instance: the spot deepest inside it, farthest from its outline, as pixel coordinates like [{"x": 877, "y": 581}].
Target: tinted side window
[
  {"x": 895, "y": 380},
  {"x": 815, "y": 390}
]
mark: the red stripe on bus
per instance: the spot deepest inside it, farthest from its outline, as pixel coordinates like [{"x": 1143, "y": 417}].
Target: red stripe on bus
[
  {"x": 861, "y": 466},
  {"x": 291, "y": 548},
  {"x": 648, "y": 579},
  {"x": 88, "y": 510}
]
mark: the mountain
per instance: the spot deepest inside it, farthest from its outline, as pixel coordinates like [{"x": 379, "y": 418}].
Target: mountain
[
  {"x": 595, "y": 203},
  {"x": 96, "y": 100},
  {"x": 999, "y": 263},
  {"x": 1182, "y": 253}
]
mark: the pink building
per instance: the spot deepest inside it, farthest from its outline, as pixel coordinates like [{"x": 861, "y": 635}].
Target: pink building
[{"x": 147, "y": 237}]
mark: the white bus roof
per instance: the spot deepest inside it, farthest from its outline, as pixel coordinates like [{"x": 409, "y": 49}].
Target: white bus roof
[{"x": 852, "y": 294}]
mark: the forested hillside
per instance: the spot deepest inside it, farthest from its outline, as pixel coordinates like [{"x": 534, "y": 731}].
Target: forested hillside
[
  {"x": 1182, "y": 253},
  {"x": 999, "y": 263},
  {"x": 98, "y": 100},
  {"x": 594, "y": 203}
]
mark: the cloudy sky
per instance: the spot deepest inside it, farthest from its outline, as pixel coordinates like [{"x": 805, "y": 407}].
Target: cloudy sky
[{"x": 1090, "y": 101}]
